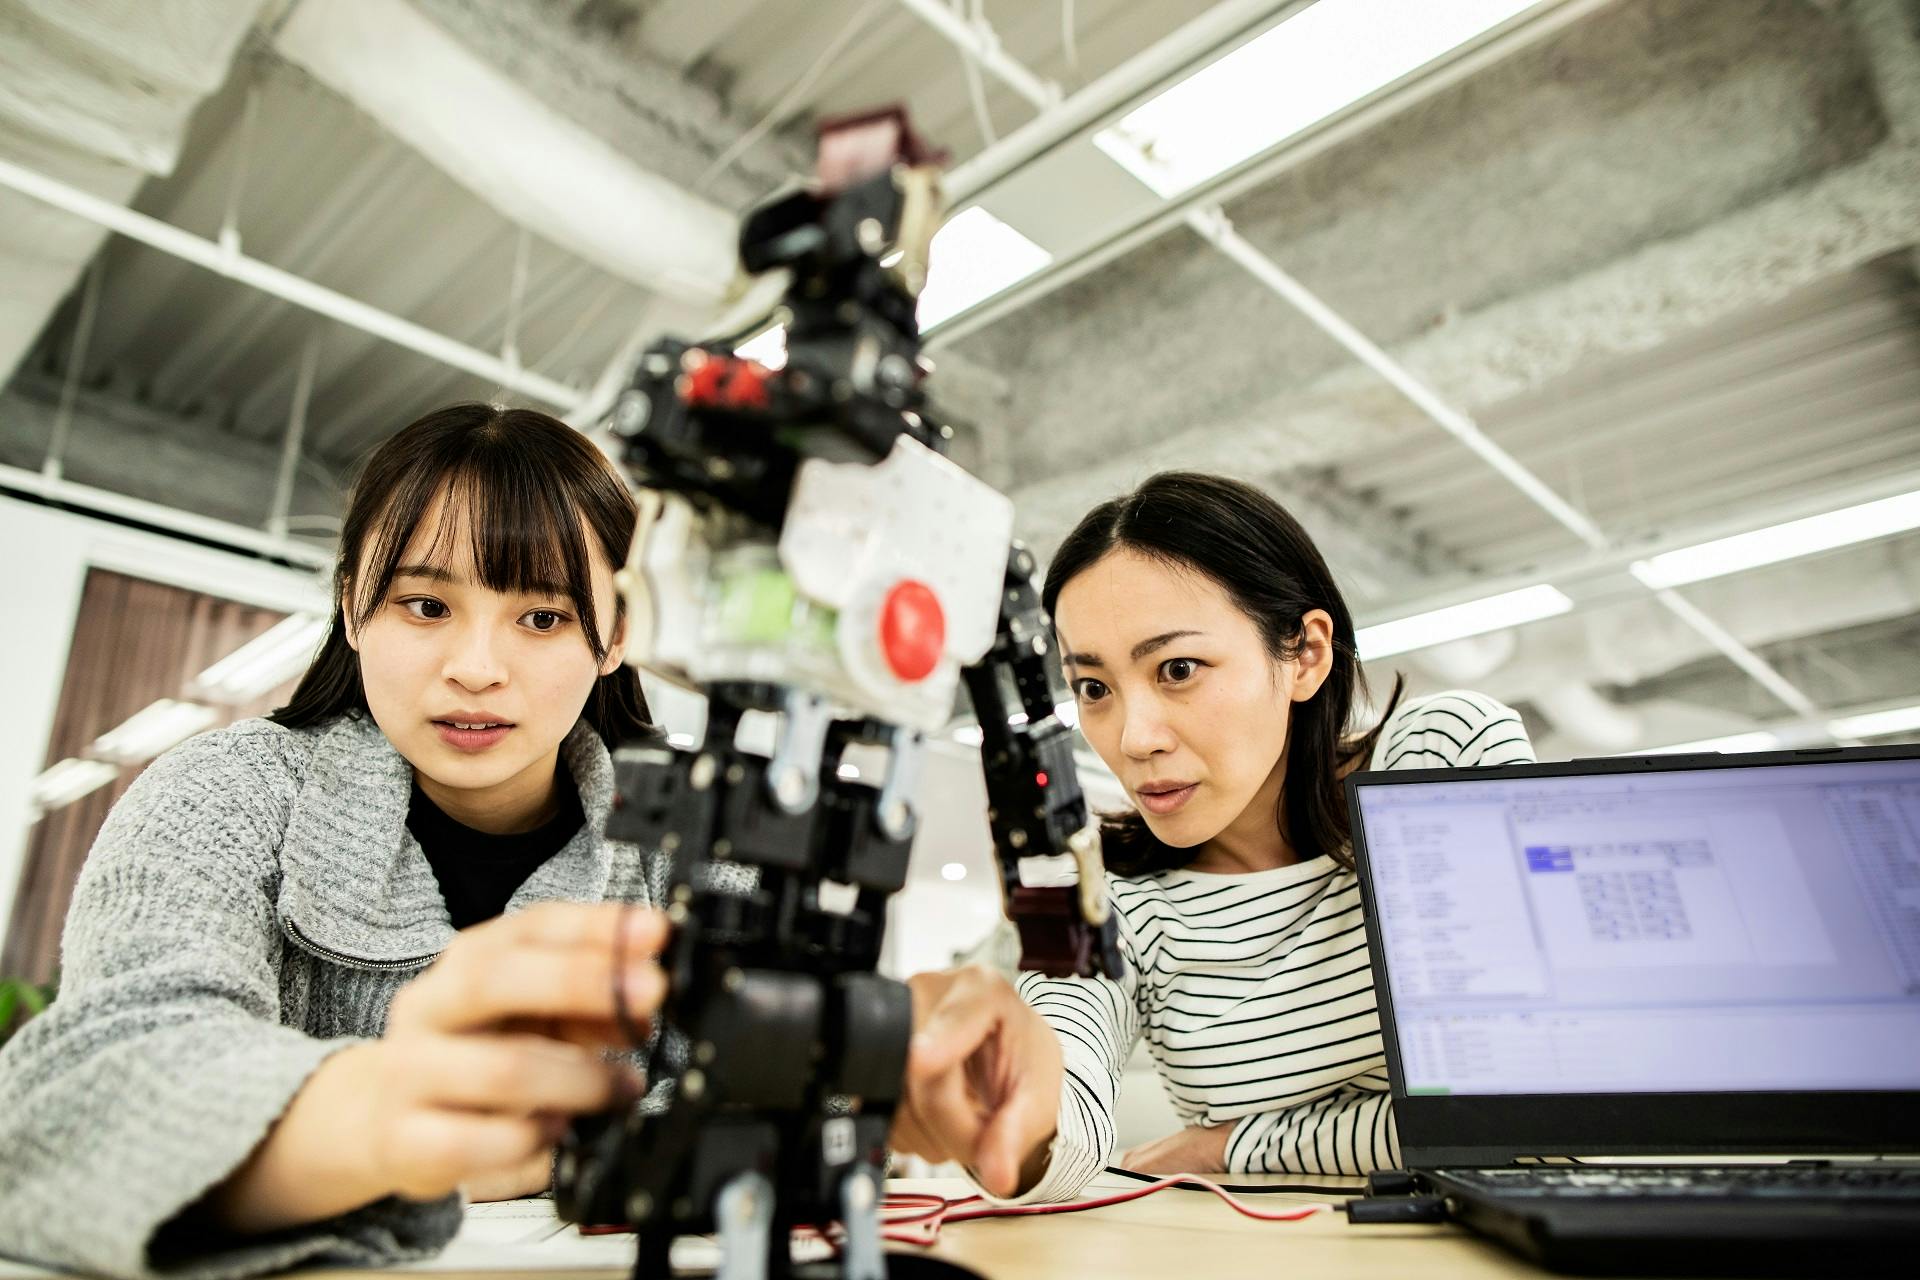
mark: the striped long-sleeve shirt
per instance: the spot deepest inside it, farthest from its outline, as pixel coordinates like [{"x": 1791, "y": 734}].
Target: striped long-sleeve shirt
[{"x": 1253, "y": 993}]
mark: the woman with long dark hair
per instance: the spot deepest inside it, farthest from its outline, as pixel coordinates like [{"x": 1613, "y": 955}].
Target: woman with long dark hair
[
  {"x": 1213, "y": 667},
  {"x": 325, "y": 970}
]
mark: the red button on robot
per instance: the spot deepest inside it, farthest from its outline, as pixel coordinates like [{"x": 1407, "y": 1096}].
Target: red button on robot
[{"x": 913, "y": 630}]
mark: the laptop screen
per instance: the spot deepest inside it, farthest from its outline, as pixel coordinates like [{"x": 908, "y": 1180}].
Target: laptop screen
[{"x": 1722, "y": 929}]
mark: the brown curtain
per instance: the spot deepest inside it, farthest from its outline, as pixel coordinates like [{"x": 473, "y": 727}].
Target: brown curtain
[{"x": 134, "y": 642}]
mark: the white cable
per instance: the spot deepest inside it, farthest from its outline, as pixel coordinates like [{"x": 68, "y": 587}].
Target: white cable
[
  {"x": 977, "y": 96},
  {"x": 516, "y": 300},
  {"x": 1068, "y": 48},
  {"x": 788, "y": 100},
  {"x": 76, "y": 366},
  {"x": 975, "y": 19}
]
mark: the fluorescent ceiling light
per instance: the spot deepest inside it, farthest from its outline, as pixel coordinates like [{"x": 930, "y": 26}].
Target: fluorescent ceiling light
[
  {"x": 680, "y": 739},
  {"x": 67, "y": 781},
  {"x": 769, "y": 347},
  {"x": 1877, "y": 724},
  {"x": 147, "y": 733},
  {"x": 264, "y": 663},
  {"x": 1456, "y": 622},
  {"x": 1781, "y": 542},
  {"x": 1759, "y": 740},
  {"x": 1318, "y": 62},
  {"x": 974, "y": 256},
  {"x": 953, "y": 871}
]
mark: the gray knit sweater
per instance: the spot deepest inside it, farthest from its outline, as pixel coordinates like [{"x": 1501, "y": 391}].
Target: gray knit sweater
[{"x": 251, "y": 906}]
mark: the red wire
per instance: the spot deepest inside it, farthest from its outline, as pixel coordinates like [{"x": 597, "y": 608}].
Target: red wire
[
  {"x": 916, "y": 1217},
  {"x": 927, "y": 1213}
]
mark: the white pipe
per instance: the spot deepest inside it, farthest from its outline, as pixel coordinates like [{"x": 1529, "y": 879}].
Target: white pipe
[
  {"x": 978, "y": 41},
  {"x": 284, "y": 285},
  {"x": 1577, "y": 710},
  {"x": 296, "y": 435},
  {"x": 1213, "y": 226},
  {"x": 118, "y": 506},
  {"x": 481, "y": 123},
  {"x": 1741, "y": 656}
]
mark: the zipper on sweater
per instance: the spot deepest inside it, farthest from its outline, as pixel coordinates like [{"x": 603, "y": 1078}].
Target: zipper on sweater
[{"x": 301, "y": 940}]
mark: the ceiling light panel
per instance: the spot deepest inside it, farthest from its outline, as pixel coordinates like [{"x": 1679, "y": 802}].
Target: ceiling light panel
[
  {"x": 1315, "y": 64},
  {"x": 1795, "y": 538},
  {"x": 68, "y": 781},
  {"x": 263, "y": 664},
  {"x": 1456, "y": 622},
  {"x": 147, "y": 733},
  {"x": 974, "y": 256},
  {"x": 1878, "y": 724}
]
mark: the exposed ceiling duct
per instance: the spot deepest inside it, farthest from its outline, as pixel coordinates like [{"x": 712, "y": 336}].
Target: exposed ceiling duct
[
  {"x": 492, "y": 135},
  {"x": 1579, "y": 712}
]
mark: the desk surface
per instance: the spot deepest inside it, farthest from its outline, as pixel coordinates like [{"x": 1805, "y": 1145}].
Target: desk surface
[
  {"x": 1192, "y": 1234},
  {"x": 1166, "y": 1235}
]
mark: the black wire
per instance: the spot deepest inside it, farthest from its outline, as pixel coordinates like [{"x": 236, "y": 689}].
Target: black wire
[{"x": 1260, "y": 1189}]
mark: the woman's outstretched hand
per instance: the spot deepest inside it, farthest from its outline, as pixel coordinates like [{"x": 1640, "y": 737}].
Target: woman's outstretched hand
[
  {"x": 1200, "y": 1148},
  {"x": 486, "y": 1056},
  {"x": 983, "y": 1079}
]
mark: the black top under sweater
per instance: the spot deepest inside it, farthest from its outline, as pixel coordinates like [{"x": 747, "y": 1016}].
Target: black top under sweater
[{"x": 479, "y": 872}]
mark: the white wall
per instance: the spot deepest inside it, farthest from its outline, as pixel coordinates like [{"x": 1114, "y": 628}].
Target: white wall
[{"x": 44, "y": 558}]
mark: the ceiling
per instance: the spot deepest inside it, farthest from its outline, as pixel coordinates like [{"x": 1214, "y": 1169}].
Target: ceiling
[{"x": 1663, "y": 255}]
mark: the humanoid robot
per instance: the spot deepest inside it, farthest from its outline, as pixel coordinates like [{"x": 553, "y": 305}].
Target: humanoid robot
[{"x": 806, "y": 554}]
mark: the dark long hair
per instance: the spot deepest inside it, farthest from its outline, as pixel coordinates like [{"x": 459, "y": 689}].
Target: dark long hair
[
  {"x": 1268, "y": 566},
  {"x": 533, "y": 488}
]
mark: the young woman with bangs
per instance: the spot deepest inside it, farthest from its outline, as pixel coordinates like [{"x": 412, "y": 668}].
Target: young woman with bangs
[
  {"x": 1212, "y": 662},
  {"x": 326, "y": 969}
]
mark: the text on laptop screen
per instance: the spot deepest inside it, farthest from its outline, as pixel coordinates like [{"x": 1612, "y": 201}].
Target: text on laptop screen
[{"x": 1723, "y": 929}]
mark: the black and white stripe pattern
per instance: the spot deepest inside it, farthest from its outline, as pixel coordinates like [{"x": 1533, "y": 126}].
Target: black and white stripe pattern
[{"x": 1253, "y": 993}]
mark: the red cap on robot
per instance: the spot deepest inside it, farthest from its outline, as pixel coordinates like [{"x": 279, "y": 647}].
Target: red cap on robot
[{"x": 913, "y": 630}]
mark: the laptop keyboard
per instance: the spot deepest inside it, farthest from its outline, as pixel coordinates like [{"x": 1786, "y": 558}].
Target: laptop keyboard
[{"x": 1877, "y": 1182}]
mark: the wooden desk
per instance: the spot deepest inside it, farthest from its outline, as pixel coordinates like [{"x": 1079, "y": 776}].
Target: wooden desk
[
  {"x": 1170, "y": 1235},
  {"x": 1179, "y": 1235}
]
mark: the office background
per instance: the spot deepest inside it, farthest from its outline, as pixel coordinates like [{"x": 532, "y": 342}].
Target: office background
[{"x": 1521, "y": 311}]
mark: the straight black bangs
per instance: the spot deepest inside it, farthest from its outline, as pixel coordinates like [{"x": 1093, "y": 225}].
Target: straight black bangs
[
  {"x": 512, "y": 498},
  {"x": 488, "y": 510}
]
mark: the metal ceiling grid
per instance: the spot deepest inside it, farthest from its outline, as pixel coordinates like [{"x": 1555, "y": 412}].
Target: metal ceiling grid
[{"x": 327, "y": 195}]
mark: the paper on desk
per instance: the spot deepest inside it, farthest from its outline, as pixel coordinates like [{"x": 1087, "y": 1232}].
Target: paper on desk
[{"x": 526, "y": 1235}]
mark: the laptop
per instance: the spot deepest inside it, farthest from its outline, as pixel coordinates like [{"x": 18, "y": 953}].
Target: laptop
[{"x": 1657, "y": 1015}]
